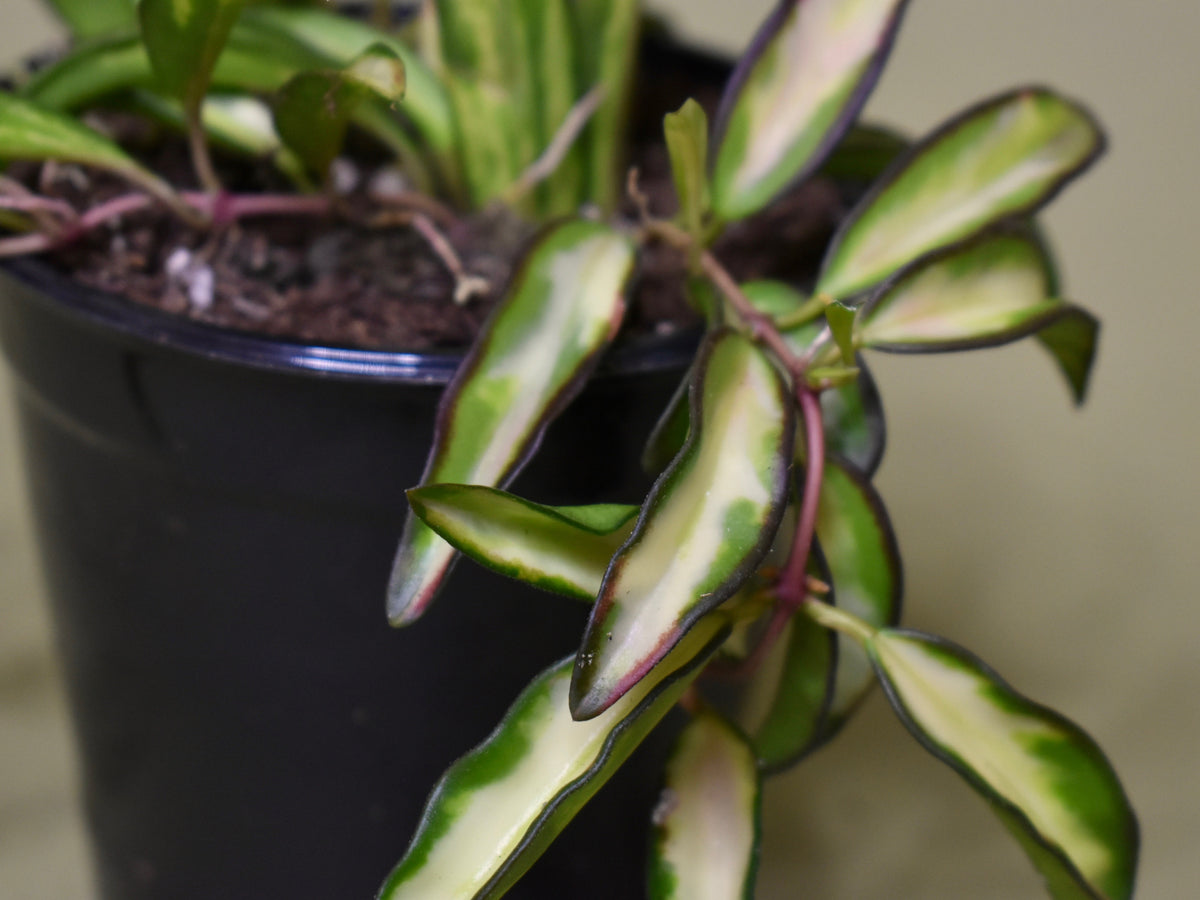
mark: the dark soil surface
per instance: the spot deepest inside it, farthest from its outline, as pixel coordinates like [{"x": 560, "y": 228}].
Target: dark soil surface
[{"x": 367, "y": 278}]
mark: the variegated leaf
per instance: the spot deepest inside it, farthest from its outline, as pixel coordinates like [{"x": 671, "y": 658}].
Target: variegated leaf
[
  {"x": 988, "y": 291},
  {"x": 606, "y": 35},
  {"x": 563, "y": 549},
  {"x": 1047, "y": 780},
  {"x": 183, "y": 39},
  {"x": 497, "y": 809},
  {"x": 706, "y": 826},
  {"x": 860, "y": 550},
  {"x": 704, "y": 528},
  {"x": 30, "y": 131},
  {"x": 561, "y": 310},
  {"x": 1002, "y": 158},
  {"x": 799, "y": 88}
]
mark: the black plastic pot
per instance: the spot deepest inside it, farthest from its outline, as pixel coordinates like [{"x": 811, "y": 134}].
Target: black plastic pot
[{"x": 217, "y": 515}]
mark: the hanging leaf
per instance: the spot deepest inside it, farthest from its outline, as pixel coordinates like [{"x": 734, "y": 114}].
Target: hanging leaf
[
  {"x": 95, "y": 18},
  {"x": 785, "y": 706},
  {"x": 1071, "y": 340},
  {"x": 1046, "y": 779},
  {"x": 860, "y": 549},
  {"x": 313, "y": 111},
  {"x": 706, "y": 826},
  {"x": 686, "y": 132},
  {"x": 704, "y": 528},
  {"x": 1003, "y": 158},
  {"x": 563, "y": 549},
  {"x": 30, "y": 132},
  {"x": 854, "y": 425},
  {"x": 497, "y": 809},
  {"x": 533, "y": 354},
  {"x": 183, "y": 39},
  {"x": 797, "y": 91}
]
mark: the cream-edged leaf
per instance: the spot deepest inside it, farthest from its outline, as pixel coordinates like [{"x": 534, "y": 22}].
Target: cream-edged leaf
[
  {"x": 565, "y": 550},
  {"x": 496, "y": 810},
  {"x": 706, "y": 825},
  {"x": 1048, "y": 781},
  {"x": 705, "y": 526},
  {"x": 1002, "y": 158},
  {"x": 799, "y": 88},
  {"x": 561, "y": 310}
]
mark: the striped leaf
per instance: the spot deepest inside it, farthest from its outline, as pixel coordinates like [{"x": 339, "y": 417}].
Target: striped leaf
[
  {"x": 1005, "y": 157},
  {"x": 706, "y": 826},
  {"x": 606, "y": 35},
  {"x": 533, "y": 354},
  {"x": 497, "y": 809},
  {"x": 1047, "y": 780},
  {"x": 183, "y": 39},
  {"x": 563, "y": 549},
  {"x": 860, "y": 550},
  {"x": 29, "y": 131},
  {"x": 705, "y": 526},
  {"x": 797, "y": 91}
]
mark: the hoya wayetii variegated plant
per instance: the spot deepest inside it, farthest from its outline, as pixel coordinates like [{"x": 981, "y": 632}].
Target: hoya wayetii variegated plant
[{"x": 758, "y": 585}]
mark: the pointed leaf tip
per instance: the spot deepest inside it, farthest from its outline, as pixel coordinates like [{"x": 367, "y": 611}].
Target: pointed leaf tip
[
  {"x": 798, "y": 89},
  {"x": 1047, "y": 780},
  {"x": 565, "y": 304},
  {"x": 706, "y": 524}
]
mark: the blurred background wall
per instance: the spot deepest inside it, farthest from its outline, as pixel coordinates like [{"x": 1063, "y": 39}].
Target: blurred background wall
[{"x": 1055, "y": 543}]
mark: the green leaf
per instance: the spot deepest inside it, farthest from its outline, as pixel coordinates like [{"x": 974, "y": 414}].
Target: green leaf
[
  {"x": 841, "y": 325},
  {"x": 706, "y": 826},
  {"x": 552, "y": 67},
  {"x": 564, "y": 550},
  {"x": 670, "y": 432},
  {"x": 183, "y": 39},
  {"x": 95, "y": 18},
  {"x": 496, "y": 810},
  {"x": 1048, "y": 781},
  {"x": 786, "y": 704},
  {"x": 1071, "y": 340},
  {"x": 863, "y": 558},
  {"x": 706, "y": 525},
  {"x": 607, "y": 37},
  {"x": 864, "y": 154},
  {"x": 1003, "y": 158},
  {"x": 31, "y": 132},
  {"x": 797, "y": 91},
  {"x": 854, "y": 425},
  {"x": 313, "y": 111},
  {"x": 337, "y": 39},
  {"x": 562, "y": 309},
  {"x": 686, "y": 133}
]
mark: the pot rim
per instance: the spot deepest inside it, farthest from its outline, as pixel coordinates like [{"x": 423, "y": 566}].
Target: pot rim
[{"x": 111, "y": 312}]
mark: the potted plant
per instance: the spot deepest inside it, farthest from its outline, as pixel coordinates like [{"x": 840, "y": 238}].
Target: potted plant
[{"x": 755, "y": 584}]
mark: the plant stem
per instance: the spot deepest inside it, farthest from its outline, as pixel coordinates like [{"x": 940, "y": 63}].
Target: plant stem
[
  {"x": 201, "y": 157},
  {"x": 546, "y": 164}
]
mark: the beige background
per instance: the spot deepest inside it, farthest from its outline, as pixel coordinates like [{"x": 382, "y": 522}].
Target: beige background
[{"x": 1057, "y": 544}]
